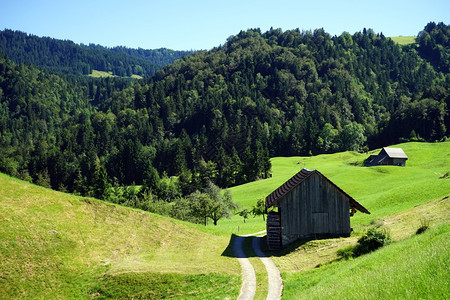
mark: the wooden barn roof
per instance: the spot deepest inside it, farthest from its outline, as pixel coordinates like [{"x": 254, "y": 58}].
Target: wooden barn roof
[{"x": 299, "y": 178}]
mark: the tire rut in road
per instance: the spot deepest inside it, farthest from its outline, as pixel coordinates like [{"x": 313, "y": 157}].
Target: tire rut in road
[
  {"x": 274, "y": 277},
  {"x": 248, "y": 288}
]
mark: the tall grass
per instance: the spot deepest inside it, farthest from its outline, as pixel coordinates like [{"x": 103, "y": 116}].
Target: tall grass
[
  {"x": 163, "y": 286},
  {"x": 416, "y": 268}
]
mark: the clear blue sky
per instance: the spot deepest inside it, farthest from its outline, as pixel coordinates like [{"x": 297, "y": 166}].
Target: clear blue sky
[{"x": 202, "y": 24}]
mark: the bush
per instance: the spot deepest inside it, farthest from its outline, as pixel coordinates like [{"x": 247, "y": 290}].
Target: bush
[
  {"x": 346, "y": 253},
  {"x": 372, "y": 240}
]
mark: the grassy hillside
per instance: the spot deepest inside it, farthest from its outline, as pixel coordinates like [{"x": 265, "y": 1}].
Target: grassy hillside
[
  {"x": 54, "y": 245},
  {"x": 404, "y": 40},
  {"x": 98, "y": 74},
  {"x": 417, "y": 268},
  {"x": 399, "y": 199},
  {"x": 383, "y": 190}
]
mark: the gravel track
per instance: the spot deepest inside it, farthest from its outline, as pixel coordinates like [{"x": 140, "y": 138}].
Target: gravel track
[
  {"x": 274, "y": 276},
  {"x": 248, "y": 287}
]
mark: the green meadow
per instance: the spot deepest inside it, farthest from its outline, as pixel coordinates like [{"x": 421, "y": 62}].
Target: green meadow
[
  {"x": 383, "y": 190},
  {"x": 400, "y": 199},
  {"x": 404, "y": 40},
  {"x": 99, "y": 74},
  {"x": 416, "y": 268},
  {"x": 55, "y": 245},
  {"x": 59, "y": 246}
]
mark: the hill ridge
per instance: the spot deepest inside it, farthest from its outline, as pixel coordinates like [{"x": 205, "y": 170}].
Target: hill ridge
[
  {"x": 220, "y": 115},
  {"x": 68, "y": 57}
]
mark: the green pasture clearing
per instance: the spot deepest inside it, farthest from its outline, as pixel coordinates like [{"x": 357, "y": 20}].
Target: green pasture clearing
[
  {"x": 383, "y": 190},
  {"x": 99, "y": 74},
  {"x": 404, "y": 40},
  {"x": 55, "y": 245}
]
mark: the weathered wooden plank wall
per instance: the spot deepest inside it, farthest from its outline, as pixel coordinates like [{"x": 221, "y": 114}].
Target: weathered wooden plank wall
[{"x": 314, "y": 207}]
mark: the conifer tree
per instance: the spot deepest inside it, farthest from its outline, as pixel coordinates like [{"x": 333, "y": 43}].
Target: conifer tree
[{"x": 101, "y": 188}]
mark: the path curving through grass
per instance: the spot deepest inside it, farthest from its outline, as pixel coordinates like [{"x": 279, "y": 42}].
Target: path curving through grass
[
  {"x": 248, "y": 288},
  {"x": 274, "y": 280}
]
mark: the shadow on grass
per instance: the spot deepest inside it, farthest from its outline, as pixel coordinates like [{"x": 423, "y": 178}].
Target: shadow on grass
[
  {"x": 247, "y": 245},
  {"x": 228, "y": 252}
]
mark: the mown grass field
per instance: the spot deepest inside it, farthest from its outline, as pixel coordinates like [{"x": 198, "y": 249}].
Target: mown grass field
[
  {"x": 399, "y": 199},
  {"x": 99, "y": 74},
  {"x": 383, "y": 190},
  {"x": 404, "y": 40},
  {"x": 55, "y": 245},
  {"x": 59, "y": 246}
]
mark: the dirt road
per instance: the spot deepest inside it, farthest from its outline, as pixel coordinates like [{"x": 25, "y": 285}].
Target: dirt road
[{"x": 248, "y": 289}]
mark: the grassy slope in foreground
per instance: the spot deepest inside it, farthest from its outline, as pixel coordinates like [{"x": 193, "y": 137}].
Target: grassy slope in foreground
[
  {"x": 55, "y": 245},
  {"x": 383, "y": 190},
  {"x": 416, "y": 268},
  {"x": 398, "y": 199}
]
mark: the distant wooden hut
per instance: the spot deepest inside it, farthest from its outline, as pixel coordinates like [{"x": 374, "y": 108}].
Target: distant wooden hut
[
  {"x": 308, "y": 205},
  {"x": 387, "y": 156}
]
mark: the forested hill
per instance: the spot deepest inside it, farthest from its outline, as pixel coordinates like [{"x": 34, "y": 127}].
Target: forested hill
[
  {"x": 307, "y": 92},
  {"x": 67, "y": 57},
  {"x": 219, "y": 115}
]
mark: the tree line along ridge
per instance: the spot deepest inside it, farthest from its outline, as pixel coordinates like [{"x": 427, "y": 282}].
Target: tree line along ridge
[{"x": 219, "y": 115}]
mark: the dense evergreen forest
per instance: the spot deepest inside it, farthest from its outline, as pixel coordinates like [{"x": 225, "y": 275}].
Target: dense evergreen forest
[
  {"x": 67, "y": 57},
  {"x": 217, "y": 116}
]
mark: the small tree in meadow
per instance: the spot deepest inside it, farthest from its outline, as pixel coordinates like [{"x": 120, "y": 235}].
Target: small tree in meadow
[
  {"x": 201, "y": 205},
  {"x": 259, "y": 209},
  {"x": 214, "y": 204},
  {"x": 223, "y": 205},
  {"x": 244, "y": 213}
]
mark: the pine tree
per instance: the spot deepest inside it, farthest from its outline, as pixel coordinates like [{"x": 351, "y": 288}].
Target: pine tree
[
  {"x": 101, "y": 188},
  {"x": 151, "y": 181}
]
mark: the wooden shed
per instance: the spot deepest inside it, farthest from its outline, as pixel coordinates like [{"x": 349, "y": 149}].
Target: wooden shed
[
  {"x": 388, "y": 156},
  {"x": 308, "y": 205}
]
